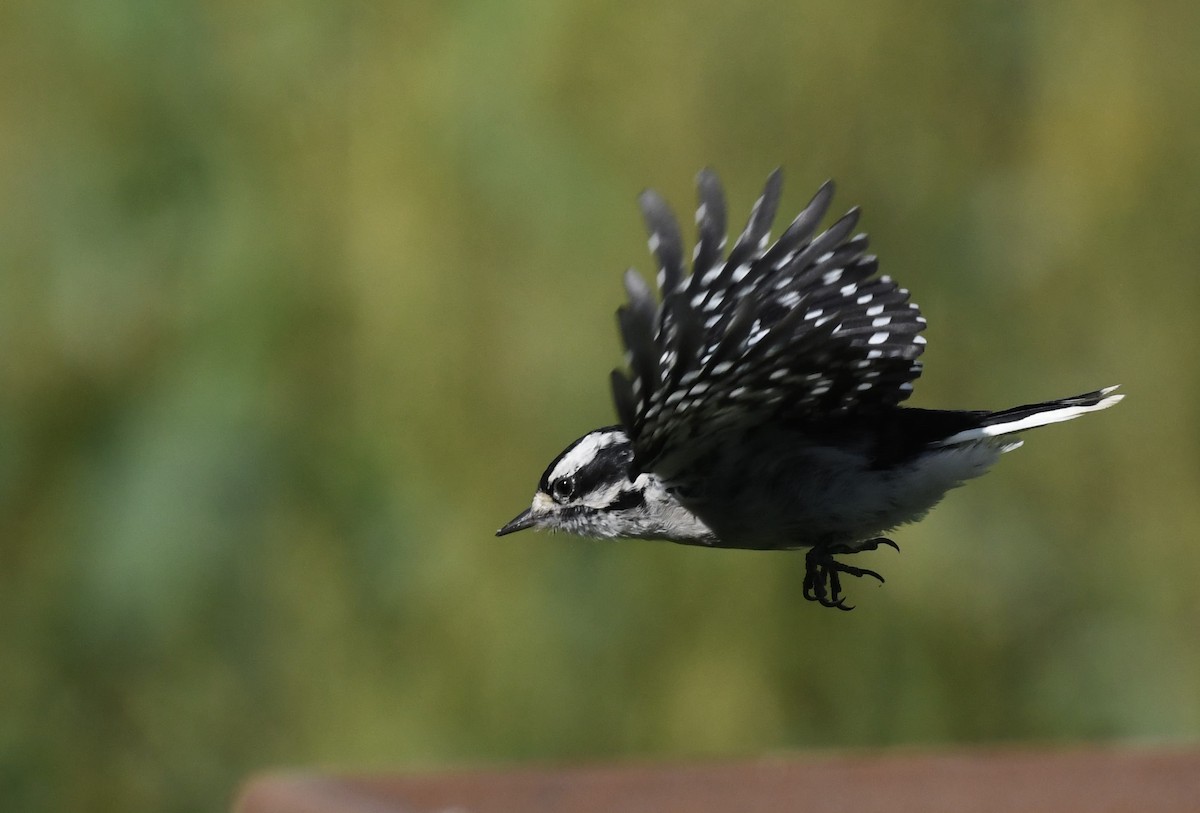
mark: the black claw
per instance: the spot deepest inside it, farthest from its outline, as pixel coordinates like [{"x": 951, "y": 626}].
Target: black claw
[
  {"x": 840, "y": 604},
  {"x": 837, "y": 604},
  {"x": 870, "y": 544},
  {"x": 822, "y": 576},
  {"x": 861, "y": 571}
]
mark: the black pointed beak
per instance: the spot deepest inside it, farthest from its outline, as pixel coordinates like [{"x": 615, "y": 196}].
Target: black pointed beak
[{"x": 523, "y": 520}]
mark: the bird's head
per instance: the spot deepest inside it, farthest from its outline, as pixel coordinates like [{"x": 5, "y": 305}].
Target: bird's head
[{"x": 587, "y": 490}]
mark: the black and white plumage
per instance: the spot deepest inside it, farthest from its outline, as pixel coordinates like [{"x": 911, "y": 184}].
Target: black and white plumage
[{"x": 762, "y": 409}]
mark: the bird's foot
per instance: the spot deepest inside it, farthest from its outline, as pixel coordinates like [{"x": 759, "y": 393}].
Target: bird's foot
[{"x": 822, "y": 580}]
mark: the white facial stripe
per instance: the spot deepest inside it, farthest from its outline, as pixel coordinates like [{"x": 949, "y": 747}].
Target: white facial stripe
[
  {"x": 604, "y": 497},
  {"x": 583, "y": 453}
]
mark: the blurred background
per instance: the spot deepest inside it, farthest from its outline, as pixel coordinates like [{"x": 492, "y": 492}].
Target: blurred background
[{"x": 298, "y": 299}]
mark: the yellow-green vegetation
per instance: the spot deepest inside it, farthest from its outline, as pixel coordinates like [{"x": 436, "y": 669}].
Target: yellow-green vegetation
[{"x": 298, "y": 298}]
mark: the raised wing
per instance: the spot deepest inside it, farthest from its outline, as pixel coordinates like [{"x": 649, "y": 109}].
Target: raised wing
[{"x": 798, "y": 330}]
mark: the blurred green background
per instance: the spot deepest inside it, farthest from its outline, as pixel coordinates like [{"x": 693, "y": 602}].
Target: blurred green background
[{"x": 299, "y": 298}]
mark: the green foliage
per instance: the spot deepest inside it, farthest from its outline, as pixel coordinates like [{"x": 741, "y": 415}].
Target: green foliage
[{"x": 298, "y": 299}]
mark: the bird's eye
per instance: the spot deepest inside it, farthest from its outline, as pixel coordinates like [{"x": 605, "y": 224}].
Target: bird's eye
[{"x": 563, "y": 488}]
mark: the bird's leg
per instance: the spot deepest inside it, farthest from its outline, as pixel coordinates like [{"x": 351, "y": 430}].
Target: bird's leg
[{"x": 822, "y": 582}]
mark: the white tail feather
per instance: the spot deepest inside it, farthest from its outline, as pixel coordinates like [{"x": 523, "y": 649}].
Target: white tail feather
[{"x": 1049, "y": 415}]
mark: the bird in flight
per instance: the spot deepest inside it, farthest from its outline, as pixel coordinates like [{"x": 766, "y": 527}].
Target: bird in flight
[{"x": 762, "y": 410}]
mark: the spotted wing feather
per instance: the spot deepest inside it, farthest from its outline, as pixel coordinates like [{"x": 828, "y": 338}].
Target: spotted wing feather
[
  {"x": 664, "y": 240},
  {"x": 710, "y": 227},
  {"x": 799, "y": 330}
]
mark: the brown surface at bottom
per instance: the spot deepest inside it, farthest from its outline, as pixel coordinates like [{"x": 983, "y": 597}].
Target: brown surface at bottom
[{"x": 1096, "y": 781}]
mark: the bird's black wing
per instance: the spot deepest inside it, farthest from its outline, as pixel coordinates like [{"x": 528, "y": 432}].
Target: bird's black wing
[{"x": 797, "y": 330}]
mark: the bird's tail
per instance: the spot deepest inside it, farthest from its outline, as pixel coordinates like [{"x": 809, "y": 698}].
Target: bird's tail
[{"x": 1018, "y": 419}]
